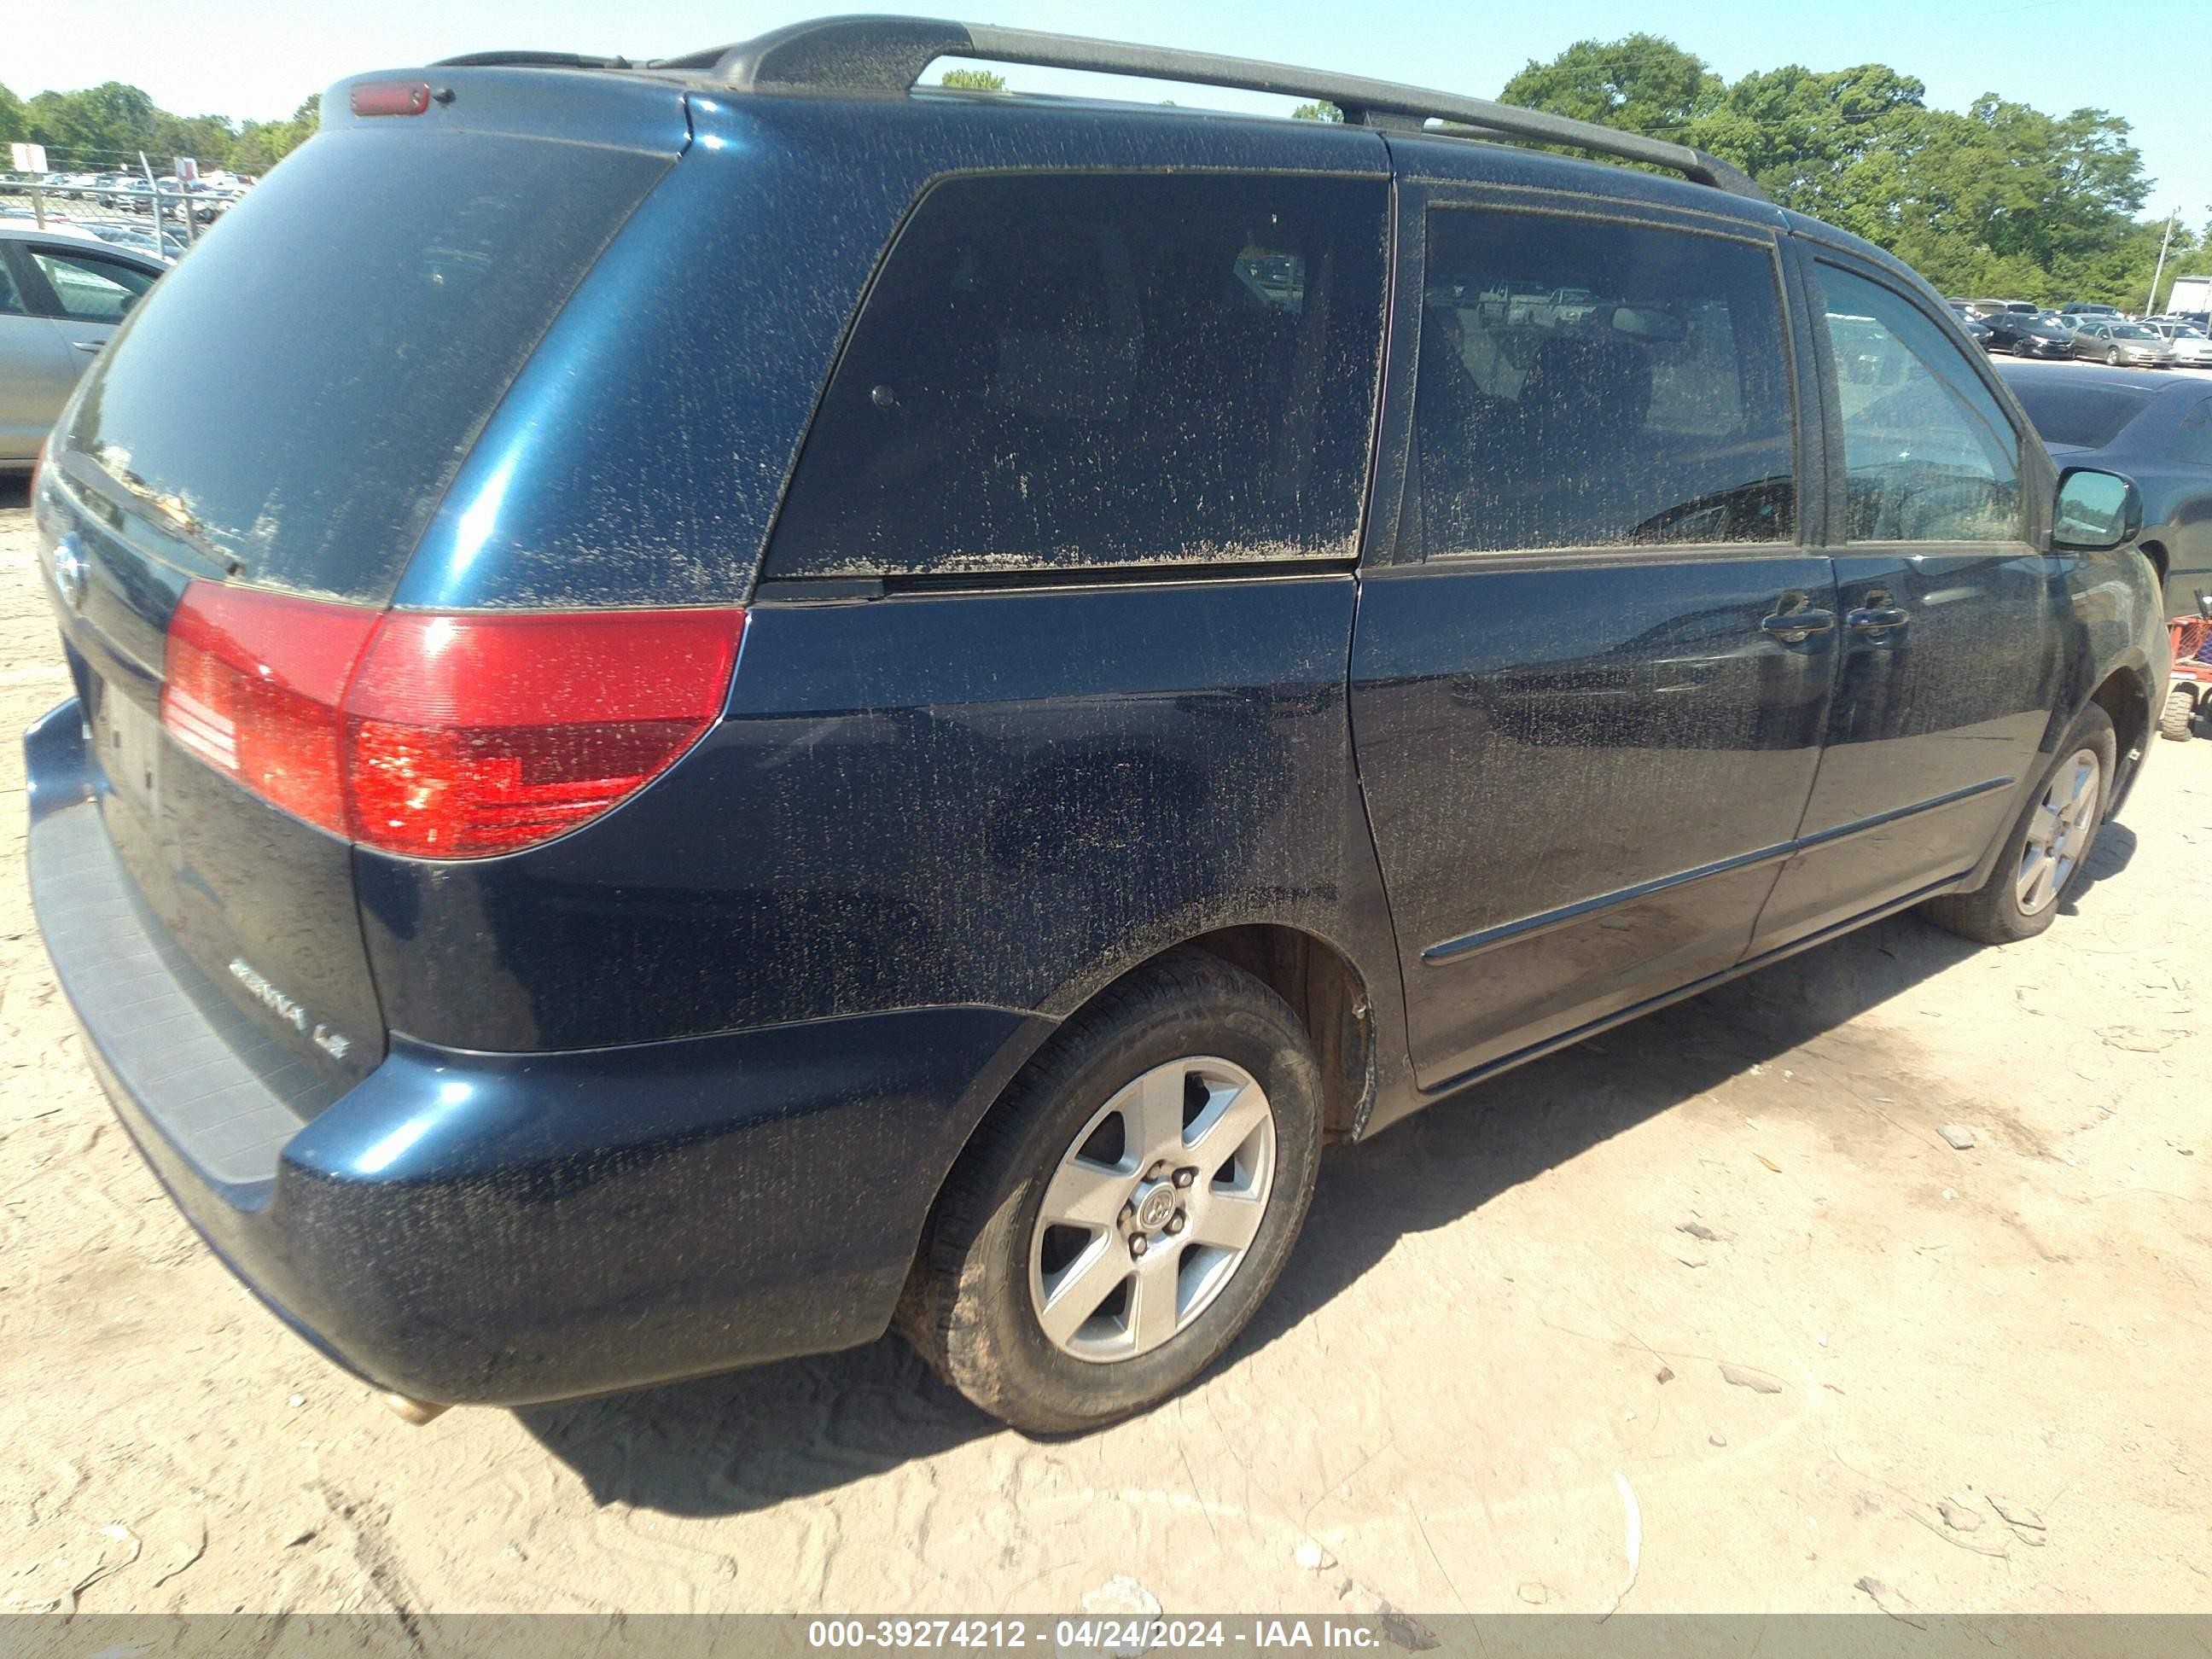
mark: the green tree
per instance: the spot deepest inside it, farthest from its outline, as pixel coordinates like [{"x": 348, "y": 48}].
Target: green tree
[
  {"x": 15, "y": 119},
  {"x": 1641, "y": 84},
  {"x": 106, "y": 125},
  {"x": 208, "y": 139},
  {"x": 1802, "y": 134},
  {"x": 1998, "y": 199},
  {"x": 1323, "y": 111},
  {"x": 973, "y": 80},
  {"x": 261, "y": 144}
]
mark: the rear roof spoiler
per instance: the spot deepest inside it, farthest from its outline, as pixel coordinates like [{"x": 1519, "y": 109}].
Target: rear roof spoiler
[{"x": 889, "y": 54}]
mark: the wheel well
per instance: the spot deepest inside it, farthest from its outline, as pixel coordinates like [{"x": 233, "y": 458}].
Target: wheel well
[
  {"x": 2156, "y": 552},
  {"x": 1327, "y": 993},
  {"x": 2124, "y": 698}
]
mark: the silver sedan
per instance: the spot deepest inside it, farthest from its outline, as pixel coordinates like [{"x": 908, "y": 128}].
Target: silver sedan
[
  {"x": 2123, "y": 345},
  {"x": 62, "y": 293},
  {"x": 2192, "y": 347}
]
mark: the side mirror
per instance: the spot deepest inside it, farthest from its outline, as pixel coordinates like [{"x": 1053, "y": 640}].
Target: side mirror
[{"x": 2097, "y": 511}]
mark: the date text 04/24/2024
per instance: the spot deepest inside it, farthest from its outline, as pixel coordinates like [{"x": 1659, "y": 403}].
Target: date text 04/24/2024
[{"x": 1095, "y": 1635}]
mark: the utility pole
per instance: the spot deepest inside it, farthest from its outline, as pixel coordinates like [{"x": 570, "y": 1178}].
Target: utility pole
[
  {"x": 2150, "y": 305},
  {"x": 154, "y": 199}
]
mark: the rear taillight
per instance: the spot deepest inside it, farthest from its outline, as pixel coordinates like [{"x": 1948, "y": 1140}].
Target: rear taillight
[
  {"x": 253, "y": 687},
  {"x": 476, "y": 734},
  {"x": 442, "y": 736}
]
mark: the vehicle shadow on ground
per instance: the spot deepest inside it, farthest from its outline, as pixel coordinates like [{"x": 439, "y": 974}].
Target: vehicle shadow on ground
[
  {"x": 14, "y": 490},
  {"x": 2111, "y": 851},
  {"x": 750, "y": 1439}
]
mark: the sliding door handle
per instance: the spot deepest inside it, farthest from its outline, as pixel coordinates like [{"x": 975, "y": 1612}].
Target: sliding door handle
[
  {"x": 1796, "y": 626},
  {"x": 1879, "y": 620}
]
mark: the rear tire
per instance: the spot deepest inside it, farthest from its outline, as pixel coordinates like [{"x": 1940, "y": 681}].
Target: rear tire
[
  {"x": 2046, "y": 850},
  {"x": 1202, "y": 1043},
  {"x": 2179, "y": 717}
]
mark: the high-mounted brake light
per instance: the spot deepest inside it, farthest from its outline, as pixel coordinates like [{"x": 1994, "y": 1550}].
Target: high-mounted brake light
[
  {"x": 391, "y": 98},
  {"x": 441, "y": 736}
]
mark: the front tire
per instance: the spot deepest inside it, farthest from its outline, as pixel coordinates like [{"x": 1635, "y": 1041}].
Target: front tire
[
  {"x": 2048, "y": 846},
  {"x": 1126, "y": 1206}
]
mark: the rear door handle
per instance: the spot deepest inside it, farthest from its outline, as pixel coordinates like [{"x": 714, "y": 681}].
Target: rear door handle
[
  {"x": 1796, "y": 626},
  {"x": 1880, "y": 620},
  {"x": 88, "y": 345}
]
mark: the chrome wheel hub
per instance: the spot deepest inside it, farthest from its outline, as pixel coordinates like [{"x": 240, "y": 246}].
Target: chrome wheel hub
[
  {"x": 2059, "y": 832},
  {"x": 1151, "y": 1209}
]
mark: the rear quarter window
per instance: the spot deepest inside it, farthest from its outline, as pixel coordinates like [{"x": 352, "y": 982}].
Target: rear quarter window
[{"x": 1060, "y": 371}]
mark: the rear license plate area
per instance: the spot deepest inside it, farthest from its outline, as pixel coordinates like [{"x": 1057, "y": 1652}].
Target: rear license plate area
[{"x": 128, "y": 740}]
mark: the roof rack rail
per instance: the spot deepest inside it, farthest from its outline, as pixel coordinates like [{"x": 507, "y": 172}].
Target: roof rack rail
[
  {"x": 530, "y": 60},
  {"x": 889, "y": 54}
]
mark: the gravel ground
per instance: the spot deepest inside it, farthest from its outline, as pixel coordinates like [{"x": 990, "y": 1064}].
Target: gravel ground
[{"x": 1717, "y": 1282}]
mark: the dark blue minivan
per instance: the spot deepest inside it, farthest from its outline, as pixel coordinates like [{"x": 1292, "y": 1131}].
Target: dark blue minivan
[{"x": 723, "y": 702}]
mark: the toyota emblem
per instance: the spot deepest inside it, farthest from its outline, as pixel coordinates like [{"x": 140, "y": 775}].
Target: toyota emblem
[{"x": 70, "y": 568}]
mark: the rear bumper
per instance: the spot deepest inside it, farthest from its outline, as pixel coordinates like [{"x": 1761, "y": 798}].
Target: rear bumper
[{"x": 505, "y": 1229}]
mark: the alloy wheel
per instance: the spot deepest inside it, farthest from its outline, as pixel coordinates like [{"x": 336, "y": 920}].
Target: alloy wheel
[
  {"x": 2059, "y": 832},
  {"x": 1151, "y": 1209}
]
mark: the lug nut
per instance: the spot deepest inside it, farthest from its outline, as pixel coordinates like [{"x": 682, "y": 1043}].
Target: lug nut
[
  {"x": 1138, "y": 1245},
  {"x": 1128, "y": 1215},
  {"x": 1152, "y": 1171},
  {"x": 1176, "y": 1223},
  {"x": 1185, "y": 1176}
]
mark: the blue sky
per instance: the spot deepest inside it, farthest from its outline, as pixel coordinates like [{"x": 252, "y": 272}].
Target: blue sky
[{"x": 258, "y": 57}]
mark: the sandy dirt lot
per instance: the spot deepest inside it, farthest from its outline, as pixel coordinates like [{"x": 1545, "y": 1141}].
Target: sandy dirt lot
[{"x": 1717, "y": 1281}]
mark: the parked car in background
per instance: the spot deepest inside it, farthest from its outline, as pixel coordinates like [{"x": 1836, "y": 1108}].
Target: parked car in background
[
  {"x": 1163, "y": 742},
  {"x": 1978, "y": 329},
  {"x": 2077, "y": 308},
  {"x": 2158, "y": 432},
  {"x": 139, "y": 238},
  {"x": 2120, "y": 343},
  {"x": 2192, "y": 348},
  {"x": 2026, "y": 334},
  {"x": 63, "y": 293},
  {"x": 56, "y": 225}
]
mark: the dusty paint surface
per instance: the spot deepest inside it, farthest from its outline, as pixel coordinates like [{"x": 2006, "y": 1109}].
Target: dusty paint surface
[{"x": 1453, "y": 1400}]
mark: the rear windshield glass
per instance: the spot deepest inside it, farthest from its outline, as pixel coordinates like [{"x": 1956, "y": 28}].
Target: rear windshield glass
[
  {"x": 300, "y": 389},
  {"x": 2088, "y": 415}
]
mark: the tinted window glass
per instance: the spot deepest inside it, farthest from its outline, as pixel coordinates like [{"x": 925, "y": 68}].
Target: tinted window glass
[
  {"x": 12, "y": 299},
  {"x": 1083, "y": 370},
  {"x": 302, "y": 387},
  {"x": 1592, "y": 385},
  {"x": 2066, "y": 412},
  {"x": 1929, "y": 451},
  {"x": 92, "y": 289},
  {"x": 2192, "y": 438}
]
